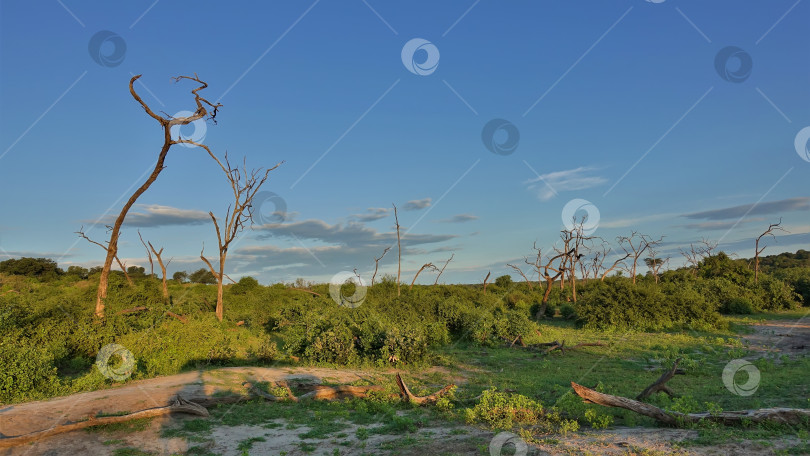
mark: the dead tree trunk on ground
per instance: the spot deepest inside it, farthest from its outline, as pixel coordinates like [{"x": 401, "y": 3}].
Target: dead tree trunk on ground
[{"x": 677, "y": 419}]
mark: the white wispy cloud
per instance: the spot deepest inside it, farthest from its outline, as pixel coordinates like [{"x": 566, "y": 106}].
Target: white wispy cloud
[
  {"x": 549, "y": 185},
  {"x": 414, "y": 205}
]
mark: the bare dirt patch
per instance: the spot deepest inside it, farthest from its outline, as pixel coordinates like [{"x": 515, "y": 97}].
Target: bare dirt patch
[{"x": 779, "y": 337}]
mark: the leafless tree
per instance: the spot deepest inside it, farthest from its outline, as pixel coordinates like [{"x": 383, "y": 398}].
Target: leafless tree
[
  {"x": 635, "y": 245},
  {"x": 520, "y": 271},
  {"x": 543, "y": 273},
  {"x": 698, "y": 253},
  {"x": 619, "y": 263},
  {"x": 150, "y": 249},
  {"x": 245, "y": 184},
  {"x": 429, "y": 266},
  {"x": 377, "y": 264},
  {"x": 120, "y": 263},
  {"x": 443, "y": 268},
  {"x": 166, "y": 124},
  {"x": 399, "y": 251},
  {"x": 769, "y": 232},
  {"x": 485, "y": 280}
]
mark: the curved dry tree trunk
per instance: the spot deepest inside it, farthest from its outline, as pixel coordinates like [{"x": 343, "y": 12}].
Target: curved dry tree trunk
[
  {"x": 178, "y": 405},
  {"x": 168, "y": 142},
  {"x": 677, "y": 419}
]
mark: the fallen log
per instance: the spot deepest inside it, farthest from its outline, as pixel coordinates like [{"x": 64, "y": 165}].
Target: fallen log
[
  {"x": 660, "y": 384},
  {"x": 178, "y": 405},
  {"x": 407, "y": 396},
  {"x": 677, "y": 419},
  {"x": 561, "y": 346}
]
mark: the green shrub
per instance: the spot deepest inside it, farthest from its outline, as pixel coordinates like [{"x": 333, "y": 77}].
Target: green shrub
[
  {"x": 738, "y": 306},
  {"x": 502, "y": 411}
]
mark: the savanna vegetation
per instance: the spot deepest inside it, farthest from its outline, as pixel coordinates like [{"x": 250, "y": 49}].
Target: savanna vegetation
[{"x": 49, "y": 335}]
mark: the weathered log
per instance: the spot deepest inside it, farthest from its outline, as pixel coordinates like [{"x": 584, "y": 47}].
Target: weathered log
[
  {"x": 178, "y": 405},
  {"x": 739, "y": 417},
  {"x": 660, "y": 384},
  {"x": 407, "y": 396},
  {"x": 179, "y": 317}
]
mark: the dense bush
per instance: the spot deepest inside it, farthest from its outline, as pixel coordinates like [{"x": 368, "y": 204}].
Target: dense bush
[{"x": 618, "y": 304}]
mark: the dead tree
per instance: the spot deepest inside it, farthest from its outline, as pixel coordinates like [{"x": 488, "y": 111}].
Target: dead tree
[
  {"x": 430, "y": 266},
  {"x": 443, "y": 268},
  {"x": 148, "y": 255},
  {"x": 158, "y": 254},
  {"x": 543, "y": 273},
  {"x": 520, "y": 271},
  {"x": 407, "y": 396},
  {"x": 377, "y": 264},
  {"x": 698, "y": 253},
  {"x": 634, "y": 246},
  {"x": 672, "y": 418},
  {"x": 769, "y": 232},
  {"x": 485, "y": 280},
  {"x": 166, "y": 123},
  {"x": 661, "y": 383},
  {"x": 244, "y": 185},
  {"x": 399, "y": 251},
  {"x": 120, "y": 263}
]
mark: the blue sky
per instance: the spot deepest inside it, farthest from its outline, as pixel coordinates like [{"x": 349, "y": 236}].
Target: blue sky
[{"x": 621, "y": 104}]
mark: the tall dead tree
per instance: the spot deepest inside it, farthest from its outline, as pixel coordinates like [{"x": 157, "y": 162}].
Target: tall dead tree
[
  {"x": 377, "y": 264},
  {"x": 399, "y": 251},
  {"x": 443, "y": 268},
  {"x": 635, "y": 245},
  {"x": 485, "y": 280},
  {"x": 244, "y": 185},
  {"x": 769, "y": 232},
  {"x": 166, "y": 124}
]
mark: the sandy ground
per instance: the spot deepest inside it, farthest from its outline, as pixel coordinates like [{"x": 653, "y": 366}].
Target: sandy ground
[{"x": 773, "y": 338}]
